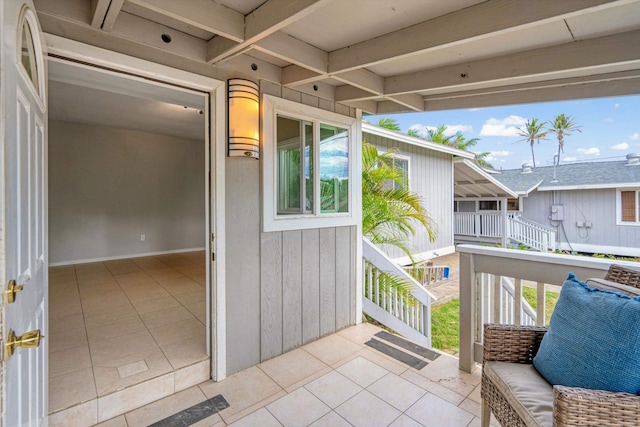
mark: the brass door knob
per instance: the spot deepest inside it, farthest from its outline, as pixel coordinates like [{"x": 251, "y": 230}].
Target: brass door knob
[
  {"x": 29, "y": 339},
  {"x": 12, "y": 289}
]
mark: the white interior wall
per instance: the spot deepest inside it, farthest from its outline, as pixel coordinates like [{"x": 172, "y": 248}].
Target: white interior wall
[{"x": 107, "y": 186}]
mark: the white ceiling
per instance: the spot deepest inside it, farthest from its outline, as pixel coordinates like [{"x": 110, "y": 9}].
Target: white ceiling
[
  {"x": 93, "y": 96},
  {"x": 382, "y": 56}
]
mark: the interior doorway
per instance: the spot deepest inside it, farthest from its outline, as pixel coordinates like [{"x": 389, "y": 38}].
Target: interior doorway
[{"x": 129, "y": 220}]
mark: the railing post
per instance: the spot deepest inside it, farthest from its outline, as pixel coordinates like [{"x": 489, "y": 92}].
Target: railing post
[{"x": 467, "y": 312}]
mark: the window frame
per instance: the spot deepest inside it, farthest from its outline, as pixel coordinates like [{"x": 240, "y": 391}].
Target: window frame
[
  {"x": 404, "y": 158},
  {"x": 272, "y": 221},
  {"x": 619, "y": 220}
]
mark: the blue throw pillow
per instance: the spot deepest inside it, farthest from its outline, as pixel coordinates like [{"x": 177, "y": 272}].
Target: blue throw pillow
[{"x": 593, "y": 340}]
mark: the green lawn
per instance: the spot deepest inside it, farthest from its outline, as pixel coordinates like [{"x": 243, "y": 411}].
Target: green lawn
[
  {"x": 550, "y": 300},
  {"x": 445, "y": 319},
  {"x": 445, "y": 326}
]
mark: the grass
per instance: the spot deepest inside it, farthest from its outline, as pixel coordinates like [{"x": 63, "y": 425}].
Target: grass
[
  {"x": 445, "y": 319},
  {"x": 445, "y": 326},
  {"x": 551, "y": 298}
]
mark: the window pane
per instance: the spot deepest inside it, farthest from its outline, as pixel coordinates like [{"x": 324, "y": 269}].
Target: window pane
[
  {"x": 28, "y": 55},
  {"x": 489, "y": 205},
  {"x": 289, "y": 166},
  {"x": 334, "y": 169},
  {"x": 628, "y": 206},
  {"x": 308, "y": 167},
  {"x": 402, "y": 166}
]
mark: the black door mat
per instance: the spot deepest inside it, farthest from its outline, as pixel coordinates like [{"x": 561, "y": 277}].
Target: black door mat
[
  {"x": 399, "y": 355},
  {"x": 408, "y": 345},
  {"x": 195, "y": 413}
]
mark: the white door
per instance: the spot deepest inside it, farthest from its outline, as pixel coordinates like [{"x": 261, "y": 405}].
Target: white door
[{"x": 23, "y": 254}]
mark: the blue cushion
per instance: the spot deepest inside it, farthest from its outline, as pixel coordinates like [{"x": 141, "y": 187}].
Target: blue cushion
[{"x": 593, "y": 340}]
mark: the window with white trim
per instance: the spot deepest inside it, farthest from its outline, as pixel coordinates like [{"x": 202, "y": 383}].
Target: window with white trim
[
  {"x": 400, "y": 164},
  {"x": 628, "y": 206},
  {"x": 308, "y": 169}
]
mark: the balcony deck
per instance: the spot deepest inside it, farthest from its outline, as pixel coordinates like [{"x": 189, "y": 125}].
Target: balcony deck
[{"x": 336, "y": 381}]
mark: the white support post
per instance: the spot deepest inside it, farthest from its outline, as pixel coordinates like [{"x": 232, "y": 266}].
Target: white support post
[
  {"x": 541, "y": 301},
  {"x": 467, "y": 312},
  {"x": 505, "y": 223}
]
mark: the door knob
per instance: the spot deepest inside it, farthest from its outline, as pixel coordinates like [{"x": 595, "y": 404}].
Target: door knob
[
  {"x": 12, "y": 290},
  {"x": 29, "y": 339}
]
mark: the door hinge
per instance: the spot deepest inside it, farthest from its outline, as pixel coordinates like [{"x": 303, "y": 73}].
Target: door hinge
[
  {"x": 213, "y": 256},
  {"x": 212, "y": 237}
]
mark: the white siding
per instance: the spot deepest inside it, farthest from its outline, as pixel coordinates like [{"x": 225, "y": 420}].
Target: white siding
[
  {"x": 595, "y": 206},
  {"x": 431, "y": 176}
]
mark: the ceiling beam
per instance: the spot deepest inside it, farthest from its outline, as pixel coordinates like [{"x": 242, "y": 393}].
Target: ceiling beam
[
  {"x": 363, "y": 79},
  {"x": 267, "y": 19},
  {"x": 525, "y": 95},
  {"x": 412, "y": 101},
  {"x": 99, "y": 10},
  {"x": 294, "y": 75},
  {"x": 112, "y": 15},
  {"x": 566, "y": 60},
  {"x": 472, "y": 23},
  {"x": 295, "y": 51},
  {"x": 204, "y": 14}
]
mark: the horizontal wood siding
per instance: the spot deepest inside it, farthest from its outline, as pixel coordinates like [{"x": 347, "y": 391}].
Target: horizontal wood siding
[
  {"x": 595, "y": 206},
  {"x": 284, "y": 289},
  {"x": 431, "y": 176}
]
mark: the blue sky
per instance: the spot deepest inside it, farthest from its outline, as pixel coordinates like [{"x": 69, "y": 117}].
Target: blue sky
[{"x": 610, "y": 129}]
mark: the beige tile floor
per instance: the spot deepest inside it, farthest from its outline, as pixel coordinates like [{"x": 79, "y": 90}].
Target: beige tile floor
[
  {"x": 117, "y": 324},
  {"x": 335, "y": 381}
]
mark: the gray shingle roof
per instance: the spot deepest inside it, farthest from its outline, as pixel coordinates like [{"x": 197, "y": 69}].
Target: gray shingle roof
[{"x": 576, "y": 175}]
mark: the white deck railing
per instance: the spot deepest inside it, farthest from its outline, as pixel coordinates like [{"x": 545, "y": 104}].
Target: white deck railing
[
  {"x": 481, "y": 300},
  {"x": 532, "y": 234},
  {"x": 410, "y": 316},
  {"x": 489, "y": 225},
  {"x": 500, "y": 297}
]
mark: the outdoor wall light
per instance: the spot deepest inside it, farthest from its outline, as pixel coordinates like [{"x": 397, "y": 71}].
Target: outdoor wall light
[{"x": 243, "y": 119}]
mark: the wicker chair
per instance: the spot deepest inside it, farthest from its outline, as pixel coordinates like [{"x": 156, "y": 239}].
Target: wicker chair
[{"x": 574, "y": 407}]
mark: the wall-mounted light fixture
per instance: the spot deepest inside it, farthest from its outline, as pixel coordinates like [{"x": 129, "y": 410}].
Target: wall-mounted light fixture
[{"x": 243, "y": 118}]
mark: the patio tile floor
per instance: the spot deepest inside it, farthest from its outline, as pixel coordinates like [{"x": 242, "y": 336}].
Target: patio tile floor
[{"x": 335, "y": 381}]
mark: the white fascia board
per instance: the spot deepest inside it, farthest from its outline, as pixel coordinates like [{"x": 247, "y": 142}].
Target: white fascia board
[
  {"x": 590, "y": 186},
  {"x": 488, "y": 177},
  {"x": 411, "y": 140}
]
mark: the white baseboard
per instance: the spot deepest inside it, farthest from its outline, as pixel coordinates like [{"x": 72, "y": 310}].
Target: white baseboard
[
  {"x": 424, "y": 256},
  {"x": 601, "y": 249},
  {"x": 85, "y": 261}
]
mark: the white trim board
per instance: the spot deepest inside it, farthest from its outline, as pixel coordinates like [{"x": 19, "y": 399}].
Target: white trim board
[{"x": 112, "y": 258}]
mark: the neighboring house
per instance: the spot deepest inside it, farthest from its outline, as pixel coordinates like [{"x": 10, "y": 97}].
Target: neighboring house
[
  {"x": 594, "y": 207},
  {"x": 428, "y": 169},
  {"x": 117, "y": 113}
]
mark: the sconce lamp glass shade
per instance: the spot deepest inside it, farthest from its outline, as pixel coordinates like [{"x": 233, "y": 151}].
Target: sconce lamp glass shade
[{"x": 244, "y": 118}]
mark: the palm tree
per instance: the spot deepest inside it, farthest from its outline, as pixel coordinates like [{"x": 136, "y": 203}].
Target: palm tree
[
  {"x": 389, "y": 213},
  {"x": 459, "y": 141},
  {"x": 388, "y": 123},
  {"x": 562, "y": 126},
  {"x": 533, "y": 131}
]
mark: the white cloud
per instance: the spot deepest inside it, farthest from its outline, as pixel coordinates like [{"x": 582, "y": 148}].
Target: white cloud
[
  {"x": 509, "y": 126},
  {"x": 423, "y": 131},
  {"x": 501, "y": 153},
  {"x": 608, "y": 120},
  {"x": 594, "y": 151},
  {"x": 634, "y": 136},
  {"x": 616, "y": 105},
  {"x": 570, "y": 159},
  {"x": 474, "y": 109},
  {"x": 621, "y": 146}
]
